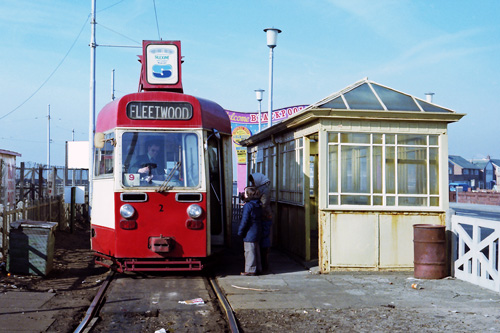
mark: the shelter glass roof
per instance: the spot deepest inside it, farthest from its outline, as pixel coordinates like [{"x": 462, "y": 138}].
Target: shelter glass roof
[{"x": 368, "y": 95}]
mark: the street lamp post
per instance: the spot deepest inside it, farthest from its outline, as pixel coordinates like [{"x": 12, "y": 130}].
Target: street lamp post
[
  {"x": 272, "y": 37},
  {"x": 258, "y": 95}
]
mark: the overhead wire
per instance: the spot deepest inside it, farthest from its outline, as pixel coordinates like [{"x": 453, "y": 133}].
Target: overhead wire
[
  {"x": 51, "y": 74},
  {"x": 156, "y": 17},
  {"x": 116, "y": 32},
  {"x": 71, "y": 48},
  {"x": 101, "y": 10}
]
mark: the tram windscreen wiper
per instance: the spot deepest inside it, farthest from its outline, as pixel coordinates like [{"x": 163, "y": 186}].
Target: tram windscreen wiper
[{"x": 164, "y": 186}]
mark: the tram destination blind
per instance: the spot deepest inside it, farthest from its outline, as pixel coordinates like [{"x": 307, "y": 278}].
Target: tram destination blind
[{"x": 159, "y": 111}]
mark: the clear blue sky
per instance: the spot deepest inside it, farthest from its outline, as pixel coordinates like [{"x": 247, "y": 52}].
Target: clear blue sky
[{"x": 448, "y": 47}]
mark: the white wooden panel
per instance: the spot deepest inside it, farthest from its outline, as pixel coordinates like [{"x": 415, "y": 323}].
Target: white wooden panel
[
  {"x": 396, "y": 238},
  {"x": 353, "y": 240}
]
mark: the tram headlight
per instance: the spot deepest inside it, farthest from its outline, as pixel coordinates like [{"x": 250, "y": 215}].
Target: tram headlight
[
  {"x": 127, "y": 211},
  {"x": 194, "y": 211}
]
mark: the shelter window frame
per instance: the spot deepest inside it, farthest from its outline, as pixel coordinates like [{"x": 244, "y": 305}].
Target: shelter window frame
[
  {"x": 383, "y": 170},
  {"x": 269, "y": 163},
  {"x": 252, "y": 161},
  {"x": 267, "y": 166},
  {"x": 291, "y": 186}
]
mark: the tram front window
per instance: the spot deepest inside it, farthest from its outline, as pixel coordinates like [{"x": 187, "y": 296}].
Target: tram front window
[{"x": 159, "y": 159}]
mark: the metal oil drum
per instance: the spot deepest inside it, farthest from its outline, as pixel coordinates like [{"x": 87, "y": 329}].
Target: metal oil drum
[{"x": 429, "y": 245}]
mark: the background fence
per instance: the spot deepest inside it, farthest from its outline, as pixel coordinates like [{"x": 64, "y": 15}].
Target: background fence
[{"x": 40, "y": 197}]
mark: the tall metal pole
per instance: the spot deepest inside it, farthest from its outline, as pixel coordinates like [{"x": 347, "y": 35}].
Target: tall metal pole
[
  {"x": 48, "y": 137},
  {"x": 113, "y": 85},
  {"x": 270, "y": 102},
  {"x": 260, "y": 115},
  {"x": 258, "y": 95},
  {"x": 272, "y": 38},
  {"x": 92, "y": 101},
  {"x": 72, "y": 171}
]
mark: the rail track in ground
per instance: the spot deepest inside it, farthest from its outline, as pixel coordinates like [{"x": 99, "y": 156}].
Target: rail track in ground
[{"x": 136, "y": 302}]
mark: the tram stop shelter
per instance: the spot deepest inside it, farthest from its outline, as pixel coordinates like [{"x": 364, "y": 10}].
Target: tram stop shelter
[{"x": 352, "y": 173}]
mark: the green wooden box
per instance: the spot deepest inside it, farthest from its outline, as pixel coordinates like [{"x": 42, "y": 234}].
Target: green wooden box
[{"x": 31, "y": 247}]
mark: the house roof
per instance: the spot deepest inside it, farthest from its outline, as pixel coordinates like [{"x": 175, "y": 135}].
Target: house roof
[
  {"x": 462, "y": 162},
  {"x": 495, "y": 162},
  {"x": 9, "y": 152},
  {"x": 482, "y": 163},
  {"x": 369, "y": 95}
]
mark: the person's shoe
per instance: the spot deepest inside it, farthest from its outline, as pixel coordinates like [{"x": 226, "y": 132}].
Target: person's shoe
[{"x": 247, "y": 274}]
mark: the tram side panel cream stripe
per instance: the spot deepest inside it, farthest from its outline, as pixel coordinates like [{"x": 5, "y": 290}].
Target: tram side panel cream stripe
[{"x": 103, "y": 203}]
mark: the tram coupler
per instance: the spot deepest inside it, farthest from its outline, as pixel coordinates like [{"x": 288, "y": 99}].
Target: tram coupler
[{"x": 161, "y": 244}]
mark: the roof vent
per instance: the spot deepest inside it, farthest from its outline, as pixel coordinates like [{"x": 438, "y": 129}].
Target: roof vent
[{"x": 429, "y": 96}]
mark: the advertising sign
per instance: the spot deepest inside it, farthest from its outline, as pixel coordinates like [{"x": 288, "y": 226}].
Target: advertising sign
[
  {"x": 240, "y": 133},
  {"x": 162, "y": 64},
  {"x": 244, "y": 125}
]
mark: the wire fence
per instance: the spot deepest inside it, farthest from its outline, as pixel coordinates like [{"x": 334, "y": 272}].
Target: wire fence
[{"x": 40, "y": 196}]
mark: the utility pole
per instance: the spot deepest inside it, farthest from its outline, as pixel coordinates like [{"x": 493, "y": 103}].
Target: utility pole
[
  {"x": 92, "y": 102},
  {"x": 113, "y": 85},
  {"x": 48, "y": 138}
]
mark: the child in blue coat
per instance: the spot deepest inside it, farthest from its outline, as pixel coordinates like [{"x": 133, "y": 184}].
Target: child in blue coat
[{"x": 250, "y": 229}]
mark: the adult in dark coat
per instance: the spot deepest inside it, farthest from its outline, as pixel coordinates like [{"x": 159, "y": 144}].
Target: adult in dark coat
[
  {"x": 150, "y": 165},
  {"x": 250, "y": 230},
  {"x": 262, "y": 183}
]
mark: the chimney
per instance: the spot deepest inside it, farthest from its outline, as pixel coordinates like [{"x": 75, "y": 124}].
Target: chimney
[{"x": 428, "y": 97}]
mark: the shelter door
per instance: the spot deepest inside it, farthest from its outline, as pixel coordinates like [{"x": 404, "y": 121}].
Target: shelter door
[{"x": 313, "y": 202}]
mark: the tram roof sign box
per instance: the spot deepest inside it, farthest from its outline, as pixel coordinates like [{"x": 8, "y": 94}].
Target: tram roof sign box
[{"x": 161, "y": 66}]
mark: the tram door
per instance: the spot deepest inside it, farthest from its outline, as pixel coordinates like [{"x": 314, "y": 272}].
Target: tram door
[{"x": 216, "y": 190}]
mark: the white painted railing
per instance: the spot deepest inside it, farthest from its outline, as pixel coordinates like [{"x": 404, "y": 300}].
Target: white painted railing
[{"x": 476, "y": 246}]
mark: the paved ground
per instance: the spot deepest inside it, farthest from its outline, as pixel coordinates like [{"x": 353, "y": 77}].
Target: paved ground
[
  {"x": 362, "y": 302},
  {"x": 289, "y": 285},
  {"x": 291, "y": 298}
]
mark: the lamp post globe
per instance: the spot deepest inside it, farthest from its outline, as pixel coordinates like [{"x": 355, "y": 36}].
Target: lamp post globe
[
  {"x": 258, "y": 95},
  {"x": 272, "y": 39}
]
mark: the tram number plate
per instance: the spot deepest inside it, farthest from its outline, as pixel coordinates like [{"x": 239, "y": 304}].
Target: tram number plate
[
  {"x": 132, "y": 179},
  {"x": 159, "y": 111}
]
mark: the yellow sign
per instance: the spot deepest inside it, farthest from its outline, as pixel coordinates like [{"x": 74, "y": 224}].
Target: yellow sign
[{"x": 240, "y": 133}]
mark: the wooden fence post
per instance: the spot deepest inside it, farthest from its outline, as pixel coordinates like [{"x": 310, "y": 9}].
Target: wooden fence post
[
  {"x": 72, "y": 209},
  {"x": 21, "y": 182},
  {"x": 5, "y": 228},
  {"x": 40, "y": 182},
  {"x": 33, "y": 184}
]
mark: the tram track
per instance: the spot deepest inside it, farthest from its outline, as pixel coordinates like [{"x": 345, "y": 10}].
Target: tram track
[
  {"x": 224, "y": 303},
  {"x": 96, "y": 321},
  {"x": 93, "y": 310}
]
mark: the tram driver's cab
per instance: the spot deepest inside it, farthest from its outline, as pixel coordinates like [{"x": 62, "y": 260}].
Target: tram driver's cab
[{"x": 160, "y": 159}]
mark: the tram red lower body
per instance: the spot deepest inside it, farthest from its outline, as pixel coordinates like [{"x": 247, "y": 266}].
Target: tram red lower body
[{"x": 163, "y": 238}]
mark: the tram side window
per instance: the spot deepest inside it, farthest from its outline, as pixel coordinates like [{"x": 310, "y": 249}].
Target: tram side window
[{"x": 104, "y": 157}]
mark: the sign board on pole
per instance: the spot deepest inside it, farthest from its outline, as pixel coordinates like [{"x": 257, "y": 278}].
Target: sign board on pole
[{"x": 77, "y": 154}]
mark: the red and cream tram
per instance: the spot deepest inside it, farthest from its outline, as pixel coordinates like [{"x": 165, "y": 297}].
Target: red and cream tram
[{"x": 163, "y": 177}]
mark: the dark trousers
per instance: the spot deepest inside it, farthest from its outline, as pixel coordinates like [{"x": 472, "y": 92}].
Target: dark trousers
[{"x": 264, "y": 259}]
